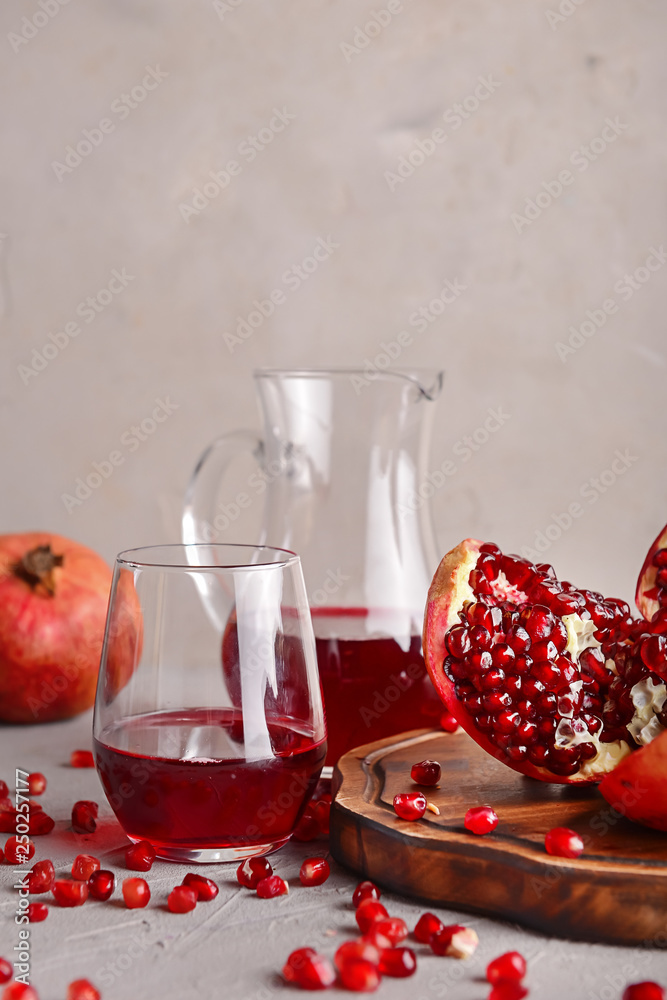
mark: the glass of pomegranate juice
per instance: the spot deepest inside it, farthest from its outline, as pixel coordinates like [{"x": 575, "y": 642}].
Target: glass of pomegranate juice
[{"x": 209, "y": 730}]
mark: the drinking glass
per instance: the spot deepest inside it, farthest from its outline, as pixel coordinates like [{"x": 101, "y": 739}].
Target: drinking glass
[{"x": 209, "y": 738}]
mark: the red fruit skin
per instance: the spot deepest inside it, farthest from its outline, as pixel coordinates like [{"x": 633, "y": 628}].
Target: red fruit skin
[
  {"x": 52, "y": 643},
  {"x": 637, "y": 787},
  {"x": 644, "y": 991},
  {"x": 645, "y": 600}
]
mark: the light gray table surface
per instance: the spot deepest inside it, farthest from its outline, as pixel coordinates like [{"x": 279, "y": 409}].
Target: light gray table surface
[{"x": 235, "y": 946}]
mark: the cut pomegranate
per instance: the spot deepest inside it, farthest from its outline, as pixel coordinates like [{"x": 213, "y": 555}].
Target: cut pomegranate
[
  {"x": 409, "y": 805},
  {"x": 398, "y": 962},
  {"x": 135, "y": 893},
  {"x": 182, "y": 899},
  {"x": 19, "y": 991},
  {"x": 427, "y": 772},
  {"x": 637, "y": 787},
  {"x": 68, "y": 893},
  {"x": 82, "y": 758},
  {"x": 139, "y": 857},
  {"x": 427, "y": 925},
  {"x": 359, "y": 976},
  {"x": 563, "y": 843},
  {"x": 359, "y": 949},
  {"x": 644, "y": 991},
  {"x": 101, "y": 884},
  {"x": 368, "y": 911},
  {"x": 41, "y": 877},
  {"x": 37, "y": 912},
  {"x": 272, "y": 885},
  {"x": 251, "y": 872},
  {"x": 365, "y": 890},
  {"x": 510, "y": 965},
  {"x": 309, "y": 970},
  {"x": 508, "y": 989},
  {"x": 651, "y": 593},
  {"x": 82, "y": 989},
  {"x": 6, "y": 971},
  {"x": 19, "y": 850},
  {"x": 556, "y": 682},
  {"x": 314, "y": 871},
  {"x": 36, "y": 783},
  {"x": 480, "y": 820},
  {"x": 455, "y": 941},
  {"x": 205, "y": 888},
  {"x": 84, "y": 814},
  {"x": 84, "y": 865}
]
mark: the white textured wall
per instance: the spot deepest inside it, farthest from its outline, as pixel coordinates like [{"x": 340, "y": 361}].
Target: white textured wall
[{"x": 356, "y": 113}]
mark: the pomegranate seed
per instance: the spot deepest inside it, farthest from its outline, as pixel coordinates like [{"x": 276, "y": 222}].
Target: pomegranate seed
[
  {"x": 82, "y": 758},
  {"x": 427, "y": 772},
  {"x": 135, "y": 893},
  {"x": 139, "y": 857},
  {"x": 19, "y": 850},
  {"x": 84, "y": 814},
  {"x": 377, "y": 938},
  {"x": 448, "y": 723},
  {"x": 308, "y": 827},
  {"x": 309, "y": 970},
  {"x": 322, "y": 812},
  {"x": 368, "y": 911},
  {"x": 511, "y": 965},
  {"x": 392, "y": 928},
  {"x": 68, "y": 893},
  {"x": 251, "y": 872},
  {"x": 272, "y": 885},
  {"x": 101, "y": 884},
  {"x": 427, "y": 925},
  {"x": 36, "y": 783},
  {"x": 82, "y": 989},
  {"x": 563, "y": 843},
  {"x": 455, "y": 941},
  {"x": 644, "y": 991},
  {"x": 84, "y": 865},
  {"x": 6, "y": 970},
  {"x": 37, "y": 912},
  {"x": 205, "y": 888},
  {"x": 19, "y": 991},
  {"x": 42, "y": 876},
  {"x": 507, "y": 989},
  {"x": 360, "y": 976},
  {"x": 359, "y": 949},
  {"x": 314, "y": 871},
  {"x": 397, "y": 962},
  {"x": 182, "y": 899},
  {"x": 40, "y": 824},
  {"x": 480, "y": 820},
  {"x": 365, "y": 890},
  {"x": 410, "y": 805},
  {"x": 457, "y": 641}
]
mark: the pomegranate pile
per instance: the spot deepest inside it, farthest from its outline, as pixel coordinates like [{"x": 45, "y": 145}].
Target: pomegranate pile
[{"x": 558, "y": 682}]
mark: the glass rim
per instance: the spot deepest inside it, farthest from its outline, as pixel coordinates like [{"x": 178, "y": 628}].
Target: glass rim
[
  {"x": 133, "y": 557},
  {"x": 344, "y": 370}
]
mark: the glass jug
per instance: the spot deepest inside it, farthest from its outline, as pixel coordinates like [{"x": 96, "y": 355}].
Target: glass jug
[{"x": 342, "y": 473}]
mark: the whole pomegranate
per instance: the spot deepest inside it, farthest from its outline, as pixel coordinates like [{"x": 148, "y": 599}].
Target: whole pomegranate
[
  {"x": 53, "y": 604},
  {"x": 556, "y": 681}
]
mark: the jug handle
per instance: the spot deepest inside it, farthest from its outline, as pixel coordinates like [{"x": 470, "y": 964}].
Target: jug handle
[{"x": 199, "y": 512}]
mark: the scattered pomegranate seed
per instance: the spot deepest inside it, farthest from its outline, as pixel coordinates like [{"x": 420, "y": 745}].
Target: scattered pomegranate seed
[
  {"x": 427, "y": 925},
  {"x": 309, "y": 970},
  {"x": 308, "y": 827},
  {"x": 82, "y": 758},
  {"x": 251, "y": 872},
  {"x": 272, "y": 885},
  {"x": 365, "y": 890},
  {"x": 40, "y": 824},
  {"x": 84, "y": 865},
  {"x": 82, "y": 989},
  {"x": 314, "y": 871},
  {"x": 644, "y": 991},
  {"x": 511, "y": 965},
  {"x": 182, "y": 899},
  {"x": 410, "y": 805},
  {"x": 68, "y": 893},
  {"x": 19, "y": 991},
  {"x": 360, "y": 948},
  {"x": 139, "y": 857},
  {"x": 360, "y": 976},
  {"x": 4, "y": 791},
  {"x": 84, "y": 814},
  {"x": 455, "y": 941},
  {"x": 205, "y": 888},
  {"x": 321, "y": 812},
  {"x": 426, "y": 772},
  {"x": 41, "y": 877},
  {"x": 135, "y": 893},
  {"x": 101, "y": 884},
  {"x": 448, "y": 723},
  {"x": 37, "y": 912},
  {"x": 480, "y": 820},
  {"x": 508, "y": 989},
  {"x": 368, "y": 911},
  {"x": 6, "y": 970},
  {"x": 19, "y": 850},
  {"x": 6, "y": 804},
  {"x": 563, "y": 843},
  {"x": 2, "y": 856},
  {"x": 36, "y": 783},
  {"x": 397, "y": 962},
  {"x": 392, "y": 929}
]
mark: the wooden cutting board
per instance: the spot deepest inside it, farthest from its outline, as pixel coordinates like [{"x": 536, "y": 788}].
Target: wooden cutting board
[{"x": 615, "y": 892}]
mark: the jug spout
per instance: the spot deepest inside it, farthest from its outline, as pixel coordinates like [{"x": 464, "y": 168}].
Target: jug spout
[{"x": 428, "y": 381}]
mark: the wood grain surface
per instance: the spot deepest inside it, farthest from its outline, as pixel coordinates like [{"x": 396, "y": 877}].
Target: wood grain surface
[{"x": 615, "y": 892}]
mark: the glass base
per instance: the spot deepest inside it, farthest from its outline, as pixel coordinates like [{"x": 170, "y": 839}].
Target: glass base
[{"x": 215, "y": 855}]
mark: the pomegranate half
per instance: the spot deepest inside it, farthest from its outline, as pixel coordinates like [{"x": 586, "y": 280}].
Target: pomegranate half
[
  {"x": 651, "y": 594},
  {"x": 557, "y": 682},
  {"x": 637, "y": 788}
]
